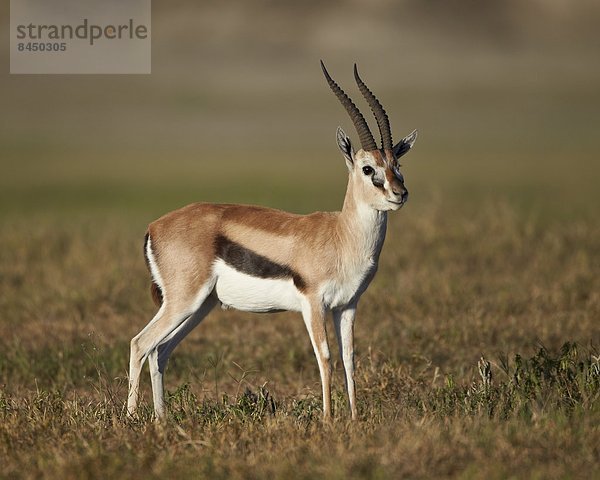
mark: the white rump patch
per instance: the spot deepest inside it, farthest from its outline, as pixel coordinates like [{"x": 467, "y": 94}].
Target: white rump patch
[
  {"x": 252, "y": 294},
  {"x": 154, "y": 267}
]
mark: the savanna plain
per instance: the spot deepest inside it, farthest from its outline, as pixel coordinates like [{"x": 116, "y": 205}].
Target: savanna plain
[{"x": 477, "y": 344}]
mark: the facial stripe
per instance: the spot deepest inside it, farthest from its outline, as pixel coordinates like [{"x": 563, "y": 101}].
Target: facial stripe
[
  {"x": 398, "y": 174},
  {"x": 378, "y": 179},
  {"x": 390, "y": 177},
  {"x": 251, "y": 263},
  {"x": 379, "y": 160}
]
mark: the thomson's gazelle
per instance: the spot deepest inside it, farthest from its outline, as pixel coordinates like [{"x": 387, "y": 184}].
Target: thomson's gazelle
[{"x": 262, "y": 260}]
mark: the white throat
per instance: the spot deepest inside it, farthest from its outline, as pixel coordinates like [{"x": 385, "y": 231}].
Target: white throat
[{"x": 363, "y": 226}]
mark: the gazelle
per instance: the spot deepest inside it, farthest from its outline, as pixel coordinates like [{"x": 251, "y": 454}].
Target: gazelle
[{"x": 261, "y": 260}]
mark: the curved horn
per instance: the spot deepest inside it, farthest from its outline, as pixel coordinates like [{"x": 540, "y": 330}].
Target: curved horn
[
  {"x": 383, "y": 121},
  {"x": 364, "y": 134}
]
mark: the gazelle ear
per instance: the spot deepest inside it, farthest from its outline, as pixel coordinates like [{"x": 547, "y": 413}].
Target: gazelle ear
[
  {"x": 345, "y": 145},
  {"x": 405, "y": 144}
]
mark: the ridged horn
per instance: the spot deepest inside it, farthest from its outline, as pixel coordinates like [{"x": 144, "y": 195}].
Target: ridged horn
[
  {"x": 364, "y": 134},
  {"x": 383, "y": 121}
]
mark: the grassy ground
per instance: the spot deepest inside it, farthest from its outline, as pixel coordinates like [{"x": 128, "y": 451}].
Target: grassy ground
[{"x": 456, "y": 283}]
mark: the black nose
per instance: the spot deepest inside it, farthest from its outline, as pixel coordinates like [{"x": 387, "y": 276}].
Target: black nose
[{"x": 403, "y": 193}]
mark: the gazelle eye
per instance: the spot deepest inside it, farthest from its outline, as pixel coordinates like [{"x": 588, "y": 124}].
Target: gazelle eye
[{"x": 368, "y": 170}]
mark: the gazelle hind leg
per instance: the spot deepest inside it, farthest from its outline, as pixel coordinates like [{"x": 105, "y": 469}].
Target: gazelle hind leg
[
  {"x": 136, "y": 361},
  {"x": 159, "y": 356},
  {"x": 143, "y": 344},
  {"x": 314, "y": 319},
  {"x": 172, "y": 314},
  {"x": 343, "y": 320}
]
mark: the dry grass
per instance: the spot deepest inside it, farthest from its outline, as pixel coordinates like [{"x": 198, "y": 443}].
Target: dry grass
[{"x": 244, "y": 392}]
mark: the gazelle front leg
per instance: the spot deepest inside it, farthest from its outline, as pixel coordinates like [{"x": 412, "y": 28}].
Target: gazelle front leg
[
  {"x": 314, "y": 319},
  {"x": 343, "y": 320}
]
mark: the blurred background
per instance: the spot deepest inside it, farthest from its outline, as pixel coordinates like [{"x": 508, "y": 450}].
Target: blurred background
[{"x": 505, "y": 96}]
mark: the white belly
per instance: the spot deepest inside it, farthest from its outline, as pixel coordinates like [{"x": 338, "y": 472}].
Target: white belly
[{"x": 252, "y": 294}]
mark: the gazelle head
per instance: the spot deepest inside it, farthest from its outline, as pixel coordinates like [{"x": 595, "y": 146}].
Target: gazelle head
[{"x": 375, "y": 175}]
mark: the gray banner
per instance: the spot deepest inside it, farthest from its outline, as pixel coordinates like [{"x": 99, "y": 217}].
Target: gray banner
[{"x": 80, "y": 36}]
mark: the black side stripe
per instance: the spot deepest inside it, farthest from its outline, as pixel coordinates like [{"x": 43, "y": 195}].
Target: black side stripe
[{"x": 251, "y": 263}]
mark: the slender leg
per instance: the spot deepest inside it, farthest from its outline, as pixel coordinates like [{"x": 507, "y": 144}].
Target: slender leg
[
  {"x": 159, "y": 356},
  {"x": 343, "y": 320},
  {"x": 170, "y": 316},
  {"x": 145, "y": 342},
  {"x": 314, "y": 319},
  {"x": 136, "y": 361}
]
